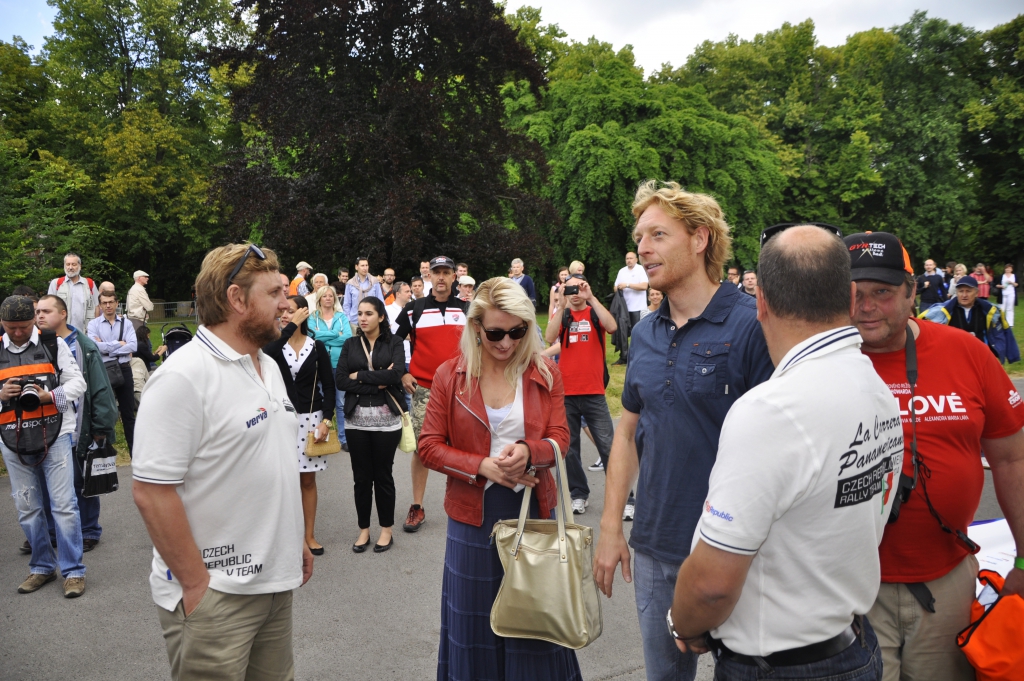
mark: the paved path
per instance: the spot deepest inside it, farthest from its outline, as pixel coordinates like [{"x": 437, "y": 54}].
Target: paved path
[{"x": 365, "y": 616}]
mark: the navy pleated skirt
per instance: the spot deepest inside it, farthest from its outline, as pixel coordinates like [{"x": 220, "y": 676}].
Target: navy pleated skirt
[{"x": 469, "y": 650}]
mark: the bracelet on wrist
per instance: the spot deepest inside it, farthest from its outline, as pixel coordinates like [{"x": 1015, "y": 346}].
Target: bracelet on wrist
[{"x": 1019, "y": 562}]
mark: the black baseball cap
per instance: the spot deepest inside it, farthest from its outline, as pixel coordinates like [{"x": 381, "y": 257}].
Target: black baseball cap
[
  {"x": 442, "y": 261},
  {"x": 878, "y": 256}
]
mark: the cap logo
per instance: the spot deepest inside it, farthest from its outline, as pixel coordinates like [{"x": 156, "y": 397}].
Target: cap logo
[{"x": 874, "y": 249}]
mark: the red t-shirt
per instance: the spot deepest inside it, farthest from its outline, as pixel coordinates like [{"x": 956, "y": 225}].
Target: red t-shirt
[
  {"x": 581, "y": 361},
  {"x": 963, "y": 395}
]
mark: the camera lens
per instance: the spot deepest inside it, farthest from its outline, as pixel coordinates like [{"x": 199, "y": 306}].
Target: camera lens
[{"x": 29, "y": 398}]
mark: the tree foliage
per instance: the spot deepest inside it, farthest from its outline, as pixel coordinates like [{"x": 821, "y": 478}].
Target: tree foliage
[{"x": 391, "y": 140}]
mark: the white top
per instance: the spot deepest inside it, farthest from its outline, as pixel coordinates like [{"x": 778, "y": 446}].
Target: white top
[
  {"x": 1008, "y": 281},
  {"x": 507, "y": 425},
  {"x": 72, "y": 382},
  {"x": 805, "y": 464},
  {"x": 138, "y": 305},
  {"x": 210, "y": 425},
  {"x": 295, "y": 361},
  {"x": 635, "y": 300},
  {"x": 393, "y": 310},
  {"x": 427, "y": 286}
]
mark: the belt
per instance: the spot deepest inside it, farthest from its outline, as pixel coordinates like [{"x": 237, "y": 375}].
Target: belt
[{"x": 816, "y": 652}]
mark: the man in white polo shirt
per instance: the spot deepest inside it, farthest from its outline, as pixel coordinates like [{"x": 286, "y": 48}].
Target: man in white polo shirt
[
  {"x": 216, "y": 482},
  {"x": 784, "y": 563},
  {"x": 632, "y": 281}
]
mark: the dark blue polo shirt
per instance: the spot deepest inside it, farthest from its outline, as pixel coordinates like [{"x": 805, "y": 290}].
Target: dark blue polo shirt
[{"x": 682, "y": 381}]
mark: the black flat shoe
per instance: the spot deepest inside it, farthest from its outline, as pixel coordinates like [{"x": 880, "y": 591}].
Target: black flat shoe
[
  {"x": 378, "y": 548},
  {"x": 359, "y": 548},
  {"x": 317, "y": 551}
]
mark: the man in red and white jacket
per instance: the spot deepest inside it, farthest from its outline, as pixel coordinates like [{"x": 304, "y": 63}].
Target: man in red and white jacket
[
  {"x": 79, "y": 293},
  {"x": 434, "y": 325}
]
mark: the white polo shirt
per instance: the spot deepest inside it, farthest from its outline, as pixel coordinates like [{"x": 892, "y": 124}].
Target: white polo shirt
[
  {"x": 635, "y": 300},
  {"x": 802, "y": 482},
  {"x": 209, "y": 424}
]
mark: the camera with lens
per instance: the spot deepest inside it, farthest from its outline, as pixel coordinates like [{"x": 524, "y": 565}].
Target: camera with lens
[
  {"x": 571, "y": 290},
  {"x": 28, "y": 400}
]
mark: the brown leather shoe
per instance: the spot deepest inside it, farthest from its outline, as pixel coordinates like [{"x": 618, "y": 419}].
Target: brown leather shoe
[
  {"x": 415, "y": 519},
  {"x": 35, "y": 582},
  {"x": 74, "y": 587},
  {"x": 89, "y": 544}
]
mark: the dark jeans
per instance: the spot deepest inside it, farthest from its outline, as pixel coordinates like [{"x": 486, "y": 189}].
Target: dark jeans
[
  {"x": 88, "y": 507},
  {"x": 373, "y": 455},
  {"x": 634, "y": 319},
  {"x": 856, "y": 663},
  {"x": 125, "y": 395},
  {"x": 595, "y": 409}
]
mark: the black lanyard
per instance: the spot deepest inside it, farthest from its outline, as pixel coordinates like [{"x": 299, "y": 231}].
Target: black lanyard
[{"x": 921, "y": 471}]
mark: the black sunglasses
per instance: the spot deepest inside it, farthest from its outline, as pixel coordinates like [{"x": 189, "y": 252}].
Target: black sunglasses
[
  {"x": 783, "y": 226},
  {"x": 253, "y": 249},
  {"x": 496, "y": 335}
]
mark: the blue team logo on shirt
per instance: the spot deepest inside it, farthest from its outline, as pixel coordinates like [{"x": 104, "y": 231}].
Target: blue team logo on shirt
[
  {"x": 261, "y": 415},
  {"x": 715, "y": 512}
]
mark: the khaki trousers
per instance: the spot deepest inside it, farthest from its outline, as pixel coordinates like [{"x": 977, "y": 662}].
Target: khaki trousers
[
  {"x": 231, "y": 638},
  {"x": 918, "y": 645}
]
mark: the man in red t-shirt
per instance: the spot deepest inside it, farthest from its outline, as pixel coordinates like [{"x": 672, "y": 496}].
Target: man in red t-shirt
[
  {"x": 963, "y": 403},
  {"x": 580, "y": 331}
]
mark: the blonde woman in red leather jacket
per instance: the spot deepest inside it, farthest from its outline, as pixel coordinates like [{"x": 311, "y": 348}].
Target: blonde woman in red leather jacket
[{"x": 490, "y": 410}]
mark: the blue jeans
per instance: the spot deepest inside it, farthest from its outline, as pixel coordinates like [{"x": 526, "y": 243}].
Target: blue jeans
[
  {"x": 339, "y": 414},
  {"x": 856, "y": 663},
  {"x": 88, "y": 507},
  {"x": 26, "y": 490},
  {"x": 594, "y": 408},
  {"x": 655, "y": 585}
]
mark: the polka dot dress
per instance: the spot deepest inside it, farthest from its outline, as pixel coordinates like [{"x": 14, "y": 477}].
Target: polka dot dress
[{"x": 307, "y": 422}]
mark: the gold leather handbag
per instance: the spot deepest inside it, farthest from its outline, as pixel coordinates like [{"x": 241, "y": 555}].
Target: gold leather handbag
[
  {"x": 328, "y": 446},
  {"x": 548, "y": 591}
]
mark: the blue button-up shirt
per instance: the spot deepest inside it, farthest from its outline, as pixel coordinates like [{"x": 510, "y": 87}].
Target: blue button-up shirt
[
  {"x": 682, "y": 381},
  {"x": 106, "y": 334}
]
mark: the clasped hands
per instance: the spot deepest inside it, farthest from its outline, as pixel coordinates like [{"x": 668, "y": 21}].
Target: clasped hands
[{"x": 508, "y": 469}]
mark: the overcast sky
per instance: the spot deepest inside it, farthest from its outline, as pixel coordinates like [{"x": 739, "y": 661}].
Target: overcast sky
[{"x": 669, "y": 30}]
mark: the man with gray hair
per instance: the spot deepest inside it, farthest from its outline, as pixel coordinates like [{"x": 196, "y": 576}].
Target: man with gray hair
[
  {"x": 784, "y": 561},
  {"x": 78, "y": 293},
  {"x": 523, "y": 280},
  {"x": 138, "y": 305}
]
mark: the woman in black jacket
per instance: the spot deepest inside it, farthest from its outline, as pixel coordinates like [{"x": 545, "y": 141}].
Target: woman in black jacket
[
  {"x": 305, "y": 366},
  {"x": 374, "y": 403}
]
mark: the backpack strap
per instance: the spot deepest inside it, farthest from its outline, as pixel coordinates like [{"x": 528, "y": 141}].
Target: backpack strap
[
  {"x": 48, "y": 341},
  {"x": 60, "y": 281},
  {"x": 92, "y": 285}
]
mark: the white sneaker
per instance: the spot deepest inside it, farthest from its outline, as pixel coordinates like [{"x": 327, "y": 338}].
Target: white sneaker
[
  {"x": 579, "y": 506},
  {"x": 597, "y": 466},
  {"x": 627, "y": 513}
]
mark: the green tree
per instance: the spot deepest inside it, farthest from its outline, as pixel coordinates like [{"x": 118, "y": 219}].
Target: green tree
[
  {"x": 137, "y": 107},
  {"x": 995, "y": 143},
  {"x": 605, "y": 129}
]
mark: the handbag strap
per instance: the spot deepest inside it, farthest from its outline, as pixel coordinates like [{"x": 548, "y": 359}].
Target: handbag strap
[
  {"x": 316, "y": 378},
  {"x": 369, "y": 364},
  {"x": 561, "y": 517}
]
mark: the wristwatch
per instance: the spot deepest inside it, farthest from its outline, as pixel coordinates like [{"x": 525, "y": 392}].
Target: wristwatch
[{"x": 672, "y": 626}]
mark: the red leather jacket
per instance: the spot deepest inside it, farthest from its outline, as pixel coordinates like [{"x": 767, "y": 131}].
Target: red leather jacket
[{"x": 455, "y": 437}]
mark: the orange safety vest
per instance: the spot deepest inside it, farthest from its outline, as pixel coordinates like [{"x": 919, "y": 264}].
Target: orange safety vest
[
  {"x": 293, "y": 288},
  {"x": 33, "y": 432}
]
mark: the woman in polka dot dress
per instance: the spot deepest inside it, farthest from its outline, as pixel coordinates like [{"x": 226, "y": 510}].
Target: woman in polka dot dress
[{"x": 306, "y": 367}]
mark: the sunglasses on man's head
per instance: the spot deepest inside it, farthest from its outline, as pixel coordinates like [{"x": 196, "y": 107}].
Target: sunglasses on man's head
[
  {"x": 783, "y": 226},
  {"x": 496, "y": 335},
  {"x": 254, "y": 250}
]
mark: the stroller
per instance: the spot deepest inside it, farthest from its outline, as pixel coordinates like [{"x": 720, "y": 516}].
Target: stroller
[{"x": 176, "y": 337}]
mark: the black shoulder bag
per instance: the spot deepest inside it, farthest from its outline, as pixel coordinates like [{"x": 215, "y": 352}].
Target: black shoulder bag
[{"x": 114, "y": 373}]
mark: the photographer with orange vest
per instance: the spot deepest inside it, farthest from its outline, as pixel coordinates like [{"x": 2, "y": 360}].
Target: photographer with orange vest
[{"x": 39, "y": 381}]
